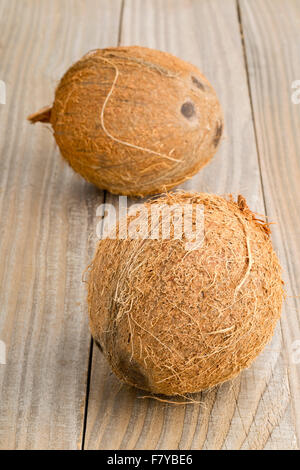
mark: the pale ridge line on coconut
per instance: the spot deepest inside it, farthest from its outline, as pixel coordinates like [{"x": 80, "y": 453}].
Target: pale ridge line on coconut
[
  {"x": 250, "y": 260},
  {"x": 110, "y": 135},
  {"x": 221, "y": 331}
]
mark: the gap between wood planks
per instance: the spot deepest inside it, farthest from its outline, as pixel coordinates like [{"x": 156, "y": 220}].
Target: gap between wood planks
[{"x": 239, "y": 13}]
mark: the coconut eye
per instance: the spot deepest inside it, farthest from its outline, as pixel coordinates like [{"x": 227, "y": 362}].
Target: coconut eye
[
  {"x": 197, "y": 83},
  {"x": 188, "y": 109},
  {"x": 218, "y": 133}
]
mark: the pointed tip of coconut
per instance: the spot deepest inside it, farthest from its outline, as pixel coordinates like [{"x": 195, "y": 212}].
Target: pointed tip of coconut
[
  {"x": 43, "y": 115},
  {"x": 243, "y": 206}
]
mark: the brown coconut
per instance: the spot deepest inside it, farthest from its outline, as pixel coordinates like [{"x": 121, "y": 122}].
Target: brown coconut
[
  {"x": 172, "y": 321},
  {"x": 133, "y": 120}
]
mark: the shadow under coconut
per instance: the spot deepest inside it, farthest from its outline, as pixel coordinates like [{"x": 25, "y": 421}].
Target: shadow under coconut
[
  {"x": 119, "y": 417},
  {"x": 123, "y": 417}
]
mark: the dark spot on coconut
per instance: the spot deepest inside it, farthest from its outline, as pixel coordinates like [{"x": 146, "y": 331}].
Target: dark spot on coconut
[
  {"x": 198, "y": 84},
  {"x": 131, "y": 370},
  {"x": 98, "y": 345},
  {"x": 218, "y": 133},
  {"x": 188, "y": 109}
]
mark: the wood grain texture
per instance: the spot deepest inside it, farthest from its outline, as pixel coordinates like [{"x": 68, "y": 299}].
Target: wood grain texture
[
  {"x": 255, "y": 410},
  {"x": 272, "y": 38},
  {"x": 47, "y": 216},
  {"x": 48, "y": 223}
]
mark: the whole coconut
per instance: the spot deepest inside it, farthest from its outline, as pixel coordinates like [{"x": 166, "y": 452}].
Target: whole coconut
[
  {"x": 173, "y": 321},
  {"x": 133, "y": 120}
]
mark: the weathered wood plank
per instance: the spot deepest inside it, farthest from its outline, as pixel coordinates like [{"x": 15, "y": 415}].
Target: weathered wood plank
[
  {"x": 47, "y": 218},
  {"x": 272, "y": 42},
  {"x": 253, "y": 410}
]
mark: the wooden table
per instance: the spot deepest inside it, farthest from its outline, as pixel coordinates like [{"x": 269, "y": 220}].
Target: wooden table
[{"x": 56, "y": 390}]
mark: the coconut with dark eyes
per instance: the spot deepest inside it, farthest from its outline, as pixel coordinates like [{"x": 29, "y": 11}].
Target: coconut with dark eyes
[{"x": 133, "y": 120}]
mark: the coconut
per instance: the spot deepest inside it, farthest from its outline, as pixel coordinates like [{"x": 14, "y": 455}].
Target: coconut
[
  {"x": 173, "y": 320},
  {"x": 133, "y": 120}
]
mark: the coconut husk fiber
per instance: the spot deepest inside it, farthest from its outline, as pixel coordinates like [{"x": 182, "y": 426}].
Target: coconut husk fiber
[
  {"x": 172, "y": 321},
  {"x": 133, "y": 120}
]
